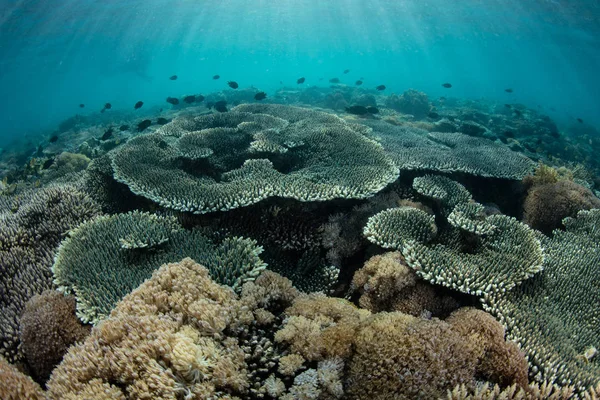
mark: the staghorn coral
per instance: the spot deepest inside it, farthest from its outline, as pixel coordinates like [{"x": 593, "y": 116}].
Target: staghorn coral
[
  {"x": 14, "y": 385},
  {"x": 546, "y": 205},
  {"x": 30, "y": 231},
  {"x": 386, "y": 283},
  {"x": 108, "y": 257},
  {"x": 48, "y": 327},
  {"x": 416, "y": 149},
  {"x": 315, "y": 157}
]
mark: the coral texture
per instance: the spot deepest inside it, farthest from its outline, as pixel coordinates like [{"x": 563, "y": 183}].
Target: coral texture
[{"x": 14, "y": 385}]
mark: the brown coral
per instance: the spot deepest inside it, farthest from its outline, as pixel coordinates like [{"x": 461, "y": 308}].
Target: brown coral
[
  {"x": 16, "y": 386},
  {"x": 548, "y": 204},
  {"x": 48, "y": 327}
]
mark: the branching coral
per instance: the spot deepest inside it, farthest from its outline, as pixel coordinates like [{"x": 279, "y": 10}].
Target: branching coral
[
  {"x": 14, "y": 385},
  {"x": 108, "y": 257}
]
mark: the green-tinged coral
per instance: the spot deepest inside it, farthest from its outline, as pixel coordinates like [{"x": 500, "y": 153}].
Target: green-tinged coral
[
  {"x": 212, "y": 163},
  {"x": 554, "y": 316},
  {"x": 32, "y": 226},
  {"x": 447, "y": 192},
  {"x": 417, "y": 149},
  {"x": 391, "y": 228},
  {"x": 471, "y": 217},
  {"x": 105, "y": 259}
]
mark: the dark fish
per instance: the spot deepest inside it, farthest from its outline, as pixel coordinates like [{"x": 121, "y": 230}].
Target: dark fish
[
  {"x": 358, "y": 83},
  {"x": 81, "y": 105},
  {"x": 433, "y": 115},
  {"x": 580, "y": 120},
  {"x": 300, "y": 80},
  {"x": 373, "y": 110},
  {"x": 221, "y": 106},
  {"x": 123, "y": 128},
  {"x": 173, "y": 78},
  {"x": 260, "y": 96},
  {"x": 107, "y": 135},
  {"x": 143, "y": 125},
  {"x": 380, "y": 87},
  {"x": 334, "y": 80},
  {"x": 447, "y": 85},
  {"x": 199, "y": 98},
  {"x": 507, "y": 106},
  {"x": 508, "y": 90},
  {"x": 216, "y": 77},
  {"x": 139, "y": 104},
  {"x": 48, "y": 163},
  {"x": 346, "y": 71},
  {"x": 161, "y": 121},
  {"x": 172, "y": 100},
  {"x": 233, "y": 84},
  {"x": 53, "y": 139},
  {"x": 189, "y": 99},
  {"x": 107, "y": 106}
]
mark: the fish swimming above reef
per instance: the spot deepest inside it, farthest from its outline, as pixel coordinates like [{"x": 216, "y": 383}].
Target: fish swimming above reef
[
  {"x": 138, "y": 105},
  {"x": 433, "y": 115},
  {"x": 189, "y": 99},
  {"x": 173, "y": 100},
  {"x": 260, "y": 96},
  {"x": 509, "y": 90},
  {"x": 215, "y": 77},
  {"x": 143, "y": 125},
  {"x": 123, "y": 128},
  {"x": 358, "y": 82},
  {"x": 580, "y": 120},
  {"x": 380, "y": 87},
  {"x": 334, "y": 80},
  {"x": 221, "y": 106},
  {"x": 81, "y": 105},
  {"x": 53, "y": 139},
  {"x": 107, "y": 106},
  {"x": 108, "y": 134},
  {"x": 447, "y": 85},
  {"x": 173, "y": 77},
  {"x": 161, "y": 121},
  {"x": 233, "y": 84},
  {"x": 48, "y": 163},
  {"x": 301, "y": 80},
  {"x": 361, "y": 110},
  {"x": 346, "y": 71}
]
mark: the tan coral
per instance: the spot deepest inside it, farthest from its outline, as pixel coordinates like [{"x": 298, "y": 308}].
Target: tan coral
[{"x": 14, "y": 385}]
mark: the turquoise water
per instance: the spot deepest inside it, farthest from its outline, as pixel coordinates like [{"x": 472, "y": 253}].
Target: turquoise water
[{"x": 58, "y": 54}]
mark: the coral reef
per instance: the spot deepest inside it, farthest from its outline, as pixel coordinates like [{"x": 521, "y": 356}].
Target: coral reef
[
  {"x": 14, "y": 385},
  {"x": 48, "y": 327},
  {"x": 106, "y": 258},
  {"x": 410, "y": 102},
  {"x": 33, "y": 224}
]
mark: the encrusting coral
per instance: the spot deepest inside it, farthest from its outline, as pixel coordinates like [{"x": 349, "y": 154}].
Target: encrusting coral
[{"x": 48, "y": 327}]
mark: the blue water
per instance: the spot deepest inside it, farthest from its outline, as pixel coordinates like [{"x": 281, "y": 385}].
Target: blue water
[{"x": 57, "y": 54}]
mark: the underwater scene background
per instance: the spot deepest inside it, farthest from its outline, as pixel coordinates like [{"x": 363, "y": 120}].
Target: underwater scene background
[{"x": 299, "y": 199}]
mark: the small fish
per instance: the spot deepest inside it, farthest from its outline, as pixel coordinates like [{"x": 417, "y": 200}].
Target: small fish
[
  {"x": 260, "y": 96},
  {"x": 346, "y": 71},
  {"x": 173, "y": 78},
  {"x": 580, "y": 120},
  {"x": 301, "y": 80},
  {"x": 48, "y": 163},
  {"x": 81, "y": 105},
  {"x": 189, "y": 99},
  {"x": 108, "y": 134},
  {"x": 143, "y": 125},
  {"x": 507, "y": 106},
  {"x": 358, "y": 82},
  {"x": 199, "y": 98},
  {"x": 138, "y": 105},
  {"x": 334, "y": 80},
  {"x": 509, "y": 90},
  {"x": 216, "y": 77},
  {"x": 233, "y": 84},
  {"x": 433, "y": 115},
  {"x": 161, "y": 121},
  {"x": 172, "y": 100},
  {"x": 107, "y": 106},
  {"x": 447, "y": 85},
  {"x": 221, "y": 106},
  {"x": 53, "y": 139},
  {"x": 380, "y": 87},
  {"x": 373, "y": 110},
  {"x": 123, "y": 128}
]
